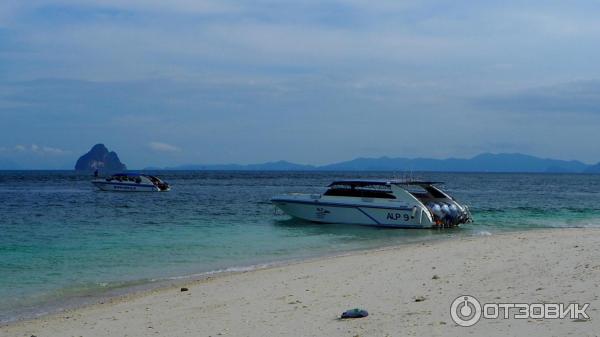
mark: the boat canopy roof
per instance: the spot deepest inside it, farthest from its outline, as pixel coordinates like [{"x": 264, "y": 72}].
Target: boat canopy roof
[
  {"x": 381, "y": 182},
  {"x": 128, "y": 175},
  {"x": 133, "y": 174}
]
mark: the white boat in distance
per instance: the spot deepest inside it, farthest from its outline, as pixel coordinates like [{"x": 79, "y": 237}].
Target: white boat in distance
[
  {"x": 386, "y": 203},
  {"x": 131, "y": 182}
]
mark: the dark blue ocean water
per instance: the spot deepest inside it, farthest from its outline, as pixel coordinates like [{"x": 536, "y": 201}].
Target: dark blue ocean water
[{"x": 61, "y": 241}]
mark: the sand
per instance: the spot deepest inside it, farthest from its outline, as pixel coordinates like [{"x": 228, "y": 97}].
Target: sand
[{"x": 306, "y": 299}]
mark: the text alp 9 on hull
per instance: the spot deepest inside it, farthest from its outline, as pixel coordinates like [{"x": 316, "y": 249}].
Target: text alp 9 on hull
[{"x": 386, "y": 203}]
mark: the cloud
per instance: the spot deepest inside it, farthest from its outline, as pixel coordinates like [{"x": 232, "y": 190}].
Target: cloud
[
  {"x": 53, "y": 150},
  {"x": 67, "y": 7},
  {"x": 36, "y": 149},
  {"x": 163, "y": 147},
  {"x": 571, "y": 97},
  {"x": 248, "y": 79}
]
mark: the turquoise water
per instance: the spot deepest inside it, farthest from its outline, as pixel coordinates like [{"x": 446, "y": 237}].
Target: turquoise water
[{"x": 62, "y": 242}]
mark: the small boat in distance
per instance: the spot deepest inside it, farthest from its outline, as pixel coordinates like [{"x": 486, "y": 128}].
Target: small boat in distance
[
  {"x": 385, "y": 203},
  {"x": 131, "y": 182}
]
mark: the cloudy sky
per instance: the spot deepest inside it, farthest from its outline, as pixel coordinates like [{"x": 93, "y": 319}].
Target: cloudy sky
[{"x": 217, "y": 81}]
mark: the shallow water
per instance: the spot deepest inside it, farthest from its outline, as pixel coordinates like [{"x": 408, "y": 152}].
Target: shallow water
[{"x": 61, "y": 241}]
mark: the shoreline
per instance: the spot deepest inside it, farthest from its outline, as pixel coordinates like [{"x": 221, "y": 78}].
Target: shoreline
[
  {"x": 351, "y": 262},
  {"x": 140, "y": 287}
]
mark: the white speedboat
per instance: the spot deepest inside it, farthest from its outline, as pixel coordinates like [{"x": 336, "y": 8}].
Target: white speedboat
[
  {"x": 131, "y": 182},
  {"x": 387, "y": 203}
]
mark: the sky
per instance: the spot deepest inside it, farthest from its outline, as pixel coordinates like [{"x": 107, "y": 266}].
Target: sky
[{"x": 165, "y": 83}]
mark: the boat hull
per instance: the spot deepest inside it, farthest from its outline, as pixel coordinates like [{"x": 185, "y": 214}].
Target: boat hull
[
  {"x": 356, "y": 214},
  {"x": 125, "y": 187}
]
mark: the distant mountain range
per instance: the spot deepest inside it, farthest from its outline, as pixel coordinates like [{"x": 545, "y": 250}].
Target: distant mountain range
[
  {"x": 486, "y": 162},
  {"x": 270, "y": 166},
  {"x": 593, "y": 169}
]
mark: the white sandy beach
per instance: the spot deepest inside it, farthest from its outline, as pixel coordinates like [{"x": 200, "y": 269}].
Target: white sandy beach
[{"x": 306, "y": 299}]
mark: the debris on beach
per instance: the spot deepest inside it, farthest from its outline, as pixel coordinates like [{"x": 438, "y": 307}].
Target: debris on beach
[
  {"x": 184, "y": 289},
  {"x": 420, "y": 298},
  {"x": 354, "y": 313},
  {"x": 435, "y": 277}
]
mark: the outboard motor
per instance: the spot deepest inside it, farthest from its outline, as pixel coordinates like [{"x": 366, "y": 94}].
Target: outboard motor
[
  {"x": 448, "y": 214},
  {"x": 446, "y": 217},
  {"x": 445, "y": 209},
  {"x": 453, "y": 211},
  {"x": 436, "y": 209}
]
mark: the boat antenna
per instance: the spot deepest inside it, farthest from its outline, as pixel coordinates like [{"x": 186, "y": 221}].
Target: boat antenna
[{"x": 410, "y": 175}]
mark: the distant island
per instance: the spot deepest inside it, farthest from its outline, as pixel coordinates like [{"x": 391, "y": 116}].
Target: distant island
[
  {"x": 593, "y": 169},
  {"x": 99, "y": 158},
  {"x": 486, "y": 162}
]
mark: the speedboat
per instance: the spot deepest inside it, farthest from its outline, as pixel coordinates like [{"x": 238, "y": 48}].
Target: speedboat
[
  {"x": 131, "y": 182},
  {"x": 386, "y": 203}
]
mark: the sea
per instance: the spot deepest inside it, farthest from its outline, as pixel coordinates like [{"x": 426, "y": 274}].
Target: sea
[{"x": 64, "y": 244}]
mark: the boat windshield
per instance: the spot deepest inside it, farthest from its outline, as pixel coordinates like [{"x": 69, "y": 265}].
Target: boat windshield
[
  {"x": 159, "y": 183},
  {"x": 424, "y": 191},
  {"x": 366, "y": 191}
]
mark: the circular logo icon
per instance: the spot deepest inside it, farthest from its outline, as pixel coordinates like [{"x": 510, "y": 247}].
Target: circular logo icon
[{"x": 465, "y": 310}]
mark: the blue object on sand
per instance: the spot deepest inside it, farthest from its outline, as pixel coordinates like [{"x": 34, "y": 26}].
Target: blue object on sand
[{"x": 355, "y": 313}]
